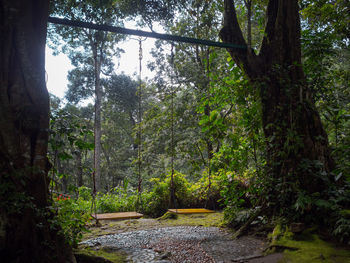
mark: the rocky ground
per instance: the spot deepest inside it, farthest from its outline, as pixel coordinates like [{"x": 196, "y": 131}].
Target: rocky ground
[{"x": 190, "y": 238}]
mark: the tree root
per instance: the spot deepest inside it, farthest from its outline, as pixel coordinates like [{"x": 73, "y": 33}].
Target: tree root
[
  {"x": 244, "y": 259},
  {"x": 243, "y": 228}
]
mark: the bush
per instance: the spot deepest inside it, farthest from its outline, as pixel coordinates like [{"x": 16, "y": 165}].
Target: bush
[
  {"x": 202, "y": 195},
  {"x": 156, "y": 202},
  {"x": 72, "y": 218},
  {"x": 84, "y": 193},
  {"x": 116, "y": 201},
  {"x": 342, "y": 230},
  {"x": 238, "y": 193}
]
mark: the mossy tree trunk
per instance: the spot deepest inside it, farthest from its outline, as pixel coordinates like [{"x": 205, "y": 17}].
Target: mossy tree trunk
[
  {"x": 25, "y": 232},
  {"x": 298, "y": 155}
]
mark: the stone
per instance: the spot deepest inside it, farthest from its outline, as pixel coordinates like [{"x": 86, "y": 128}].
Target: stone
[{"x": 165, "y": 255}]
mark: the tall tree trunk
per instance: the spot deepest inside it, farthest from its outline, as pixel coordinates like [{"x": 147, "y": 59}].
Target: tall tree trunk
[
  {"x": 25, "y": 233},
  {"x": 79, "y": 164},
  {"x": 108, "y": 174},
  {"x": 97, "y": 125},
  {"x": 61, "y": 171},
  {"x": 207, "y": 111},
  {"x": 297, "y": 145}
]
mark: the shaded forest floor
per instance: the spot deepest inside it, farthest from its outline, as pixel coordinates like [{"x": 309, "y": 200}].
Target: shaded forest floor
[{"x": 194, "y": 238}]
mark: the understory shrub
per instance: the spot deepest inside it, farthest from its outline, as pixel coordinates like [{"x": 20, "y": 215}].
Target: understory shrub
[
  {"x": 73, "y": 217},
  {"x": 342, "y": 229},
  {"x": 118, "y": 200},
  {"x": 84, "y": 193},
  {"x": 157, "y": 201},
  {"x": 238, "y": 193},
  {"x": 205, "y": 196}
]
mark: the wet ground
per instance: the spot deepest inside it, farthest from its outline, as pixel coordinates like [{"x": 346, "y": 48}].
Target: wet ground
[
  {"x": 181, "y": 244},
  {"x": 197, "y": 238}
]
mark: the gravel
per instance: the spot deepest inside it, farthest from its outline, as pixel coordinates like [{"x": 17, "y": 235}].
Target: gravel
[{"x": 180, "y": 244}]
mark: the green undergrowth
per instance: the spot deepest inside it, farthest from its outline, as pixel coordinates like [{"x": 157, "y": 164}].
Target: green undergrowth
[
  {"x": 306, "y": 247},
  {"x": 96, "y": 256}
]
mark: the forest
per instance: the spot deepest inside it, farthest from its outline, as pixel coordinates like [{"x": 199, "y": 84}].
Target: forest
[{"x": 260, "y": 131}]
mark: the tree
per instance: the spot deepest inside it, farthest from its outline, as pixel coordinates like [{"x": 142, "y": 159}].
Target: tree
[
  {"x": 70, "y": 141},
  {"x": 298, "y": 155},
  {"x": 325, "y": 40},
  {"x": 90, "y": 52},
  {"x": 26, "y": 230},
  {"x": 119, "y": 120}
]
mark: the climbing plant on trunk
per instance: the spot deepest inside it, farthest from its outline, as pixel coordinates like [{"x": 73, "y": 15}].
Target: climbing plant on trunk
[{"x": 297, "y": 151}]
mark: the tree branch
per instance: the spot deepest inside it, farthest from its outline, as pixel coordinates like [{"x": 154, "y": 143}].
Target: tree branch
[
  {"x": 232, "y": 33},
  {"x": 248, "y": 5},
  {"x": 271, "y": 15},
  {"x": 281, "y": 43}
]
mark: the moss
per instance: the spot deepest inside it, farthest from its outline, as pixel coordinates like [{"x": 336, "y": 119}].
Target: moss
[
  {"x": 307, "y": 247},
  {"x": 134, "y": 221},
  {"x": 168, "y": 215},
  {"x": 95, "y": 232},
  {"x": 114, "y": 256},
  {"x": 276, "y": 233},
  {"x": 212, "y": 219}
]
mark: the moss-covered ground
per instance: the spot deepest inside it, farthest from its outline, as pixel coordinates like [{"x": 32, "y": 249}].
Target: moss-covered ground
[
  {"x": 94, "y": 255},
  {"x": 307, "y": 247},
  {"x": 206, "y": 220}
]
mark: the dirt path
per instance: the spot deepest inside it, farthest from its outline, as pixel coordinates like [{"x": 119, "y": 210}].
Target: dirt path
[{"x": 190, "y": 238}]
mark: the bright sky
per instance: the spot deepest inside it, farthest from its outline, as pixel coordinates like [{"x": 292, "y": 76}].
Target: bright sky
[{"x": 57, "y": 67}]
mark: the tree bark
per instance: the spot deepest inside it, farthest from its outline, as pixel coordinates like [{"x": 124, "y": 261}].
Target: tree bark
[
  {"x": 79, "y": 164},
  {"x": 61, "y": 171},
  {"x": 108, "y": 174},
  {"x": 297, "y": 144},
  {"x": 25, "y": 232},
  {"x": 97, "y": 125},
  {"x": 248, "y": 4}
]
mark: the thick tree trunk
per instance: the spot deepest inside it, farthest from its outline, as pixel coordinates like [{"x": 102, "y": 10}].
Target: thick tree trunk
[
  {"x": 25, "y": 233},
  {"x": 297, "y": 146}
]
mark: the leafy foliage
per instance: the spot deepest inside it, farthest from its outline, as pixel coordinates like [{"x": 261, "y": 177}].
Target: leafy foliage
[
  {"x": 72, "y": 217},
  {"x": 70, "y": 137},
  {"x": 117, "y": 200}
]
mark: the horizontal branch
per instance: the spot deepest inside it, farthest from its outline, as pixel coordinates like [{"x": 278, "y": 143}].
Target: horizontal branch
[{"x": 126, "y": 31}]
